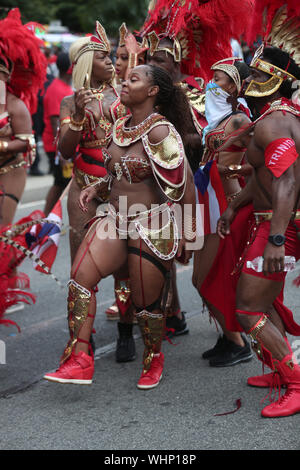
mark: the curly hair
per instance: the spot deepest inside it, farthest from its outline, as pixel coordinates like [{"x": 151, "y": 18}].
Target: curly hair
[{"x": 171, "y": 101}]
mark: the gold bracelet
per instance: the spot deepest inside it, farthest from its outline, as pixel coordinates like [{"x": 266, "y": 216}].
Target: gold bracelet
[
  {"x": 75, "y": 128},
  {"x": 3, "y": 146},
  {"x": 77, "y": 123},
  {"x": 133, "y": 60}
]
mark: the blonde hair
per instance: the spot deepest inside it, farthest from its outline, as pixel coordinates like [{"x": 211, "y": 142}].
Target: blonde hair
[{"x": 83, "y": 65}]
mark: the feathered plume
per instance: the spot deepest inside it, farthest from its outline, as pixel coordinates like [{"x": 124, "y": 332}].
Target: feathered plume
[
  {"x": 264, "y": 14},
  {"x": 19, "y": 44},
  {"x": 204, "y": 28}
]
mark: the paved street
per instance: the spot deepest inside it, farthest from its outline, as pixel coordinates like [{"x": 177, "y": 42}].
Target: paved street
[{"x": 113, "y": 414}]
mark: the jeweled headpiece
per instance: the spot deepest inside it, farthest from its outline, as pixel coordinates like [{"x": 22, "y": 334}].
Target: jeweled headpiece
[
  {"x": 123, "y": 31},
  {"x": 280, "y": 27},
  {"x": 155, "y": 46},
  {"x": 227, "y": 66},
  {"x": 200, "y": 30},
  {"x": 98, "y": 42}
]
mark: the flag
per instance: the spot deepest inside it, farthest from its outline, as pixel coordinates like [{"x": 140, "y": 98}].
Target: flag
[
  {"x": 43, "y": 239},
  {"x": 211, "y": 194}
]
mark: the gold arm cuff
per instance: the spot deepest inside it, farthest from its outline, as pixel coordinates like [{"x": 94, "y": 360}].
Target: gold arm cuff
[{"x": 65, "y": 121}]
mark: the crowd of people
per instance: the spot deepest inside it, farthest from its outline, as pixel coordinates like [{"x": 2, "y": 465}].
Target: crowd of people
[{"x": 142, "y": 139}]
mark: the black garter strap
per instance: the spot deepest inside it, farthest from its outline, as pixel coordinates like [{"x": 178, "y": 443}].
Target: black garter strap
[
  {"x": 12, "y": 196},
  {"x": 154, "y": 306},
  {"x": 6, "y": 162},
  {"x": 136, "y": 251},
  {"x": 159, "y": 303}
]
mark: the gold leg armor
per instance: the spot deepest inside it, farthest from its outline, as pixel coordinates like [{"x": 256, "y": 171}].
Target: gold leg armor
[
  {"x": 123, "y": 295},
  {"x": 78, "y": 309},
  {"x": 152, "y": 326},
  {"x": 258, "y": 347}
]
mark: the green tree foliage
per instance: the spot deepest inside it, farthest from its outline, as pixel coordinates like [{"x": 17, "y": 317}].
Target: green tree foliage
[{"x": 80, "y": 16}]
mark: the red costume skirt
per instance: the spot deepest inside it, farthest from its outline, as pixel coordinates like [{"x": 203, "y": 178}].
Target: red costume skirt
[{"x": 244, "y": 243}]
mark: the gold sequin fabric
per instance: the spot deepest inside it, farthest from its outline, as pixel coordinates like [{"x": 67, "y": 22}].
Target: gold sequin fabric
[
  {"x": 78, "y": 309},
  {"x": 152, "y": 329}
]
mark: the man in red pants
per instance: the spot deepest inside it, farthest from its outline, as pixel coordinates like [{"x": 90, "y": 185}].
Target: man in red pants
[{"x": 274, "y": 192}]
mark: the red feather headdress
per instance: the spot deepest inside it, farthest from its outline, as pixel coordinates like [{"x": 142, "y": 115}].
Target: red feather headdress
[
  {"x": 19, "y": 49},
  {"x": 202, "y": 27},
  {"x": 265, "y": 11}
]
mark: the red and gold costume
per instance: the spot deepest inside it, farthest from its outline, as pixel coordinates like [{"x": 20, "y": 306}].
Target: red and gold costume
[
  {"x": 165, "y": 164},
  {"x": 279, "y": 24},
  {"x": 24, "y": 65}
]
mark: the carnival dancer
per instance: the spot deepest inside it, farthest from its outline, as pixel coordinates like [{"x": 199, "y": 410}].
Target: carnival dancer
[
  {"x": 225, "y": 113},
  {"x": 147, "y": 165},
  {"x": 86, "y": 120},
  {"x": 124, "y": 63},
  {"x": 274, "y": 191},
  {"x": 22, "y": 72},
  {"x": 123, "y": 59}
]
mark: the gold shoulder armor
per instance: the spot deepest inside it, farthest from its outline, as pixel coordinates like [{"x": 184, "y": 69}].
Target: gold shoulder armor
[{"x": 169, "y": 153}]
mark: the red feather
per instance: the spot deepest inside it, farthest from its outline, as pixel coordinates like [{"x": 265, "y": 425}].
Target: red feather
[
  {"x": 19, "y": 44},
  {"x": 12, "y": 284},
  {"x": 207, "y": 27},
  {"x": 264, "y": 12}
]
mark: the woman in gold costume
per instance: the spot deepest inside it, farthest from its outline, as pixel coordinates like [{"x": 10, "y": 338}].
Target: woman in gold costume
[
  {"x": 86, "y": 121},
  {"x": 147, "y": 175}
]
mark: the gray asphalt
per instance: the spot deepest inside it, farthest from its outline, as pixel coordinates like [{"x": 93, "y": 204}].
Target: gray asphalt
[{"x": 112, "y": 414}]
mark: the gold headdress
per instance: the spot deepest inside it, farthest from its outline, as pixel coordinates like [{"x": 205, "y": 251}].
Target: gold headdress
[
  {"x": 99, "y": 42},
  {"x": 227, "y": 66},
  {"x": 123, "y": 31},
  {"x": 154, "y": 46},
  {"x": 199, "y": 29},
  {"x": 281, "y": 29}
]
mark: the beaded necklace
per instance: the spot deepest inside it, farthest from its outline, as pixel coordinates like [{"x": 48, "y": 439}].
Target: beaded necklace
[{"x": 124, "y": 136}]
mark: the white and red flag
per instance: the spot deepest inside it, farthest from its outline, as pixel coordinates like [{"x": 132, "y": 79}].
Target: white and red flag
[{"x": 211, "y": 194}]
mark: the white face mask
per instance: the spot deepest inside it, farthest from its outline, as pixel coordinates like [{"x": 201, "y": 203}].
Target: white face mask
[{"x": 217, "y": 108}]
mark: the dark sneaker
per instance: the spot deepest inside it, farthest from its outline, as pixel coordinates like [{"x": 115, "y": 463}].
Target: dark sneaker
[
  {"x": 232, "y": 354},
  {"x": 218, "y": 348},
  {"x": 176, "y": 326},
  {"x": 125, "y": 351}
]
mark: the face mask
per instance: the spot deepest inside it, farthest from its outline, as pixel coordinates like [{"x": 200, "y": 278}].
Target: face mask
[{"x": 216, "y": 106}]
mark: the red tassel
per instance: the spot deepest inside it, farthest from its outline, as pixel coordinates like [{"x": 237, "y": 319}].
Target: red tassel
[{"x": 238, "y": 406}]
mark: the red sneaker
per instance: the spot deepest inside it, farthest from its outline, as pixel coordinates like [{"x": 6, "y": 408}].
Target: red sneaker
[
  {"x": 78, "y": 369},
  {"x": 153, "y": 376},
  {"x": 287, "y": 405},
  {"x": 265, "y": 380}
]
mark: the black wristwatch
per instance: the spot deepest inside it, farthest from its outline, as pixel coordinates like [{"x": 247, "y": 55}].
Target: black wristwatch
[{"x": 277, "y": 240}]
